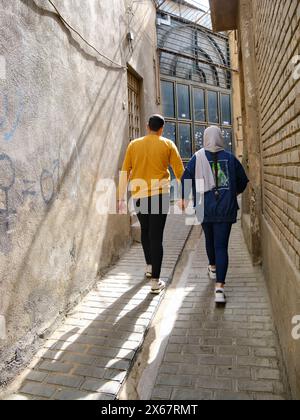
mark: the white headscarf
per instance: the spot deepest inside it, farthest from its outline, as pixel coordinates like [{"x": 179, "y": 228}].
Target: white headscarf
[{"x": 213, "y": 142}]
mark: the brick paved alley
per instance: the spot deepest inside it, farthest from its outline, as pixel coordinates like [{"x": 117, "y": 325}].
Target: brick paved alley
[
  {"x": 90, "y": 355},
  {"x": 211, "y": 353},
  {"x": 222, "y": 353}
]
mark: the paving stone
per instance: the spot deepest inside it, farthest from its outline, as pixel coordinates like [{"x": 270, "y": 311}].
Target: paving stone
[
  {"x": 162, "y": 392},
  {"x": 65, "y": 380},
  {"x": 195, "y": 370},
  {"x": 169, "y": 368},
  {"x": 174, "y": 380},
  {"x": 39, "y": 390},
  {"x": 256, "y": 361},
  {"x": 109, "y": 387},
  {"x": 196, "y": 349},
  {"x": 233, "y": 396},
  {"x": 56, "y": 367},
  {"x": 77, "y": 358},
  {"x": 266, "y": 373},
  {"x": 233, "y": 351},
  {"x": 256, "y": 386},
  {"x": 215, "y": 360},
  {"x": 117, "y": 364},
  {"x": 115, "y": 375},
  {"x": 90, "y": 371},
  {"x": 214, "y": 383},
  {"x": 269, "y": 397},
  {"x": 234, "y": 373},
  {"x": 71, "y": 395},
  {"x": 265, "y": 352},
  {"x": 36, "y": 376},
  {"x": 191, "y": 395}
]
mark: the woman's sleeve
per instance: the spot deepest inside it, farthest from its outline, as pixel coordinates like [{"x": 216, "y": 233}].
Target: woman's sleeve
[
  {"x": 176, "y": 162},
  {"x": 188, "y": 178},
  {"x": 241, "y": 177}
]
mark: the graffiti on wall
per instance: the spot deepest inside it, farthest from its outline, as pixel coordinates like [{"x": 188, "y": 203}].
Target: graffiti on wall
[
  {"x": 10, "y": 117},
  {"x": 46, "y": 186},
  {"x": 11, "y": 107},
  {"x": 7, "y": 180},
  {"x": 17, "y": 188}
]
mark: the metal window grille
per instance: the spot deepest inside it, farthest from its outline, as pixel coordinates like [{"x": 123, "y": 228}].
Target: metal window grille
[{"x": 134, "y": 107}]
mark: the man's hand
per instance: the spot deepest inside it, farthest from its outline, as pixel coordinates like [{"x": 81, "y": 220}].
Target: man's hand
[
  {"x": 183, "y": 204},
  {"x": 122, "y": 207}
]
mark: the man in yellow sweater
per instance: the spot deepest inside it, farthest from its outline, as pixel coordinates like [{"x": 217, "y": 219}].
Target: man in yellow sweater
[{"x": 146, "y": 166}]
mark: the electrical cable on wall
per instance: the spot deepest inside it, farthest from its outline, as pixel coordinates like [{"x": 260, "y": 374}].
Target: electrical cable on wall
[{"x": 117, "y": 65}]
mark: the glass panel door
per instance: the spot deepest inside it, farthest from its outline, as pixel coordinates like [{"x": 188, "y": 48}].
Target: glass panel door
[
  {"x": 227, "y": 133},
  {"x": 167, "y": 89},
  {"x": 199, "y": 137},
  {"x": 199, "y": 105},
  {"x": 226, "y": 109},
  {"x": 170, "y": 131},
  {"x": 213, "y": 108},
  {"x": 185, "y": 141},
  {"x": 183, "y": 98}
]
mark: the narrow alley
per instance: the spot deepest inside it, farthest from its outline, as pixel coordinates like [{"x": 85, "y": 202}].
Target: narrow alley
[
  {"x": 201, "y": 351},
  {"x": 112, "y": 112}
]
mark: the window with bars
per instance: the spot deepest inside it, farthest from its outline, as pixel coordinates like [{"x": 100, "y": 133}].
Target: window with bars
[
  {"x": 134, "y": 106},
  {"x": 189, "y": 109},
  {"x": 196, "y": 83}
]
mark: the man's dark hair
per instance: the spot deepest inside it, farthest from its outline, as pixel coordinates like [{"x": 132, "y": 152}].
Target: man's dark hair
[{"x": 156, "y": 122}]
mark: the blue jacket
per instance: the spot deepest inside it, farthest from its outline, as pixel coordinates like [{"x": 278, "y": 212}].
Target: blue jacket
[{"x": 232, "y": 182}]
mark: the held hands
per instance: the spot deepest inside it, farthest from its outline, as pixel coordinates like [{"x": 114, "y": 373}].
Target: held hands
[
  {"x": 122, "y": 206},
  {"x": 183, "y": 204}
]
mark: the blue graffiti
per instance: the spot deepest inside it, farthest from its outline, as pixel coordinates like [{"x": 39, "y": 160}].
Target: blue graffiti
[
  {"x": 8, "y": 177},
  {"x": 5, "y": 110},
  {"x": 8, "y": 135},
  {"x": 28, "y": 191}
]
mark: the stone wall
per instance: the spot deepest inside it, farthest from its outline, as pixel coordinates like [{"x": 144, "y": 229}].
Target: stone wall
[{"x": 63, "y": 127}]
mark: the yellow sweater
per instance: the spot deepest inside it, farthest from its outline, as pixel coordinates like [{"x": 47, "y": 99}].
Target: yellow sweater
[{"x": 146, "y": 166}]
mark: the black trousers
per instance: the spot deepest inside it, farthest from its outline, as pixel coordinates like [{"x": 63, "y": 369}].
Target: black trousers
[{"x": 152, "y": 213}]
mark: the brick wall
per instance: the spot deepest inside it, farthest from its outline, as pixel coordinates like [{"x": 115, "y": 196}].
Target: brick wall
[{"x": 277, "y": 41}]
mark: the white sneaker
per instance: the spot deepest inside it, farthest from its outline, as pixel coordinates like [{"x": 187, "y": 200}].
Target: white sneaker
[
  {"x": 157, "y": 286},
  {"x": 212, "y": 273},
  {"x": 220, "y": 296},
  {"x": 148, "y": 272}
]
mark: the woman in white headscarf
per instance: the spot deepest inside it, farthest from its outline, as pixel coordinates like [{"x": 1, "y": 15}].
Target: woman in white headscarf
[{"x": 216, "y": 178}]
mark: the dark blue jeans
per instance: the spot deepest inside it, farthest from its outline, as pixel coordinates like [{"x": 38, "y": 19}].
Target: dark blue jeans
[{"x": 217, "y": 241}]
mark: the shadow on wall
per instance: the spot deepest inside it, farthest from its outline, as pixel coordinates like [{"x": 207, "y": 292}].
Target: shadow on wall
[
  {"x": 36, "y": 8},
  {"x": 97, "y": 109}
]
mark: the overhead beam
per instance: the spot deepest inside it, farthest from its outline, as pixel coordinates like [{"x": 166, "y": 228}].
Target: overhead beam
[{"x": 224, "y": 14}]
